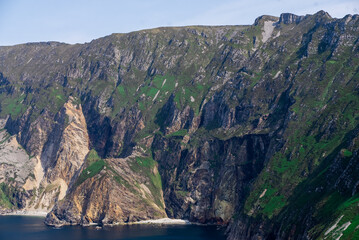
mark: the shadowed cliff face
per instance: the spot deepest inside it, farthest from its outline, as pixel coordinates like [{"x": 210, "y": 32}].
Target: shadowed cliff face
[
  {"x": 254, "y": 127},
  {"x": 204, "y": 183}
]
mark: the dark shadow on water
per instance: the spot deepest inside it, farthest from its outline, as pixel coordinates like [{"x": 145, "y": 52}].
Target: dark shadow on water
[{"x": 33, "y": 228}]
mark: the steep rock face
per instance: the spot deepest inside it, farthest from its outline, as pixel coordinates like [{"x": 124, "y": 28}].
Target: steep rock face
[
  {"x": 112, "y": 137},
  {"x": 62, "y": 155},
  {"x": 204, "y": 183},
  {"x": 331, "y": 188},
  {"x": 15, "y": 162},
  {"x": 60, "y": 149},
  {"x": 235, "y": 125},
  {"x": 289, "y": 18},
  {"x": 63, "y": 161},
  {"x": 111, "y": 192}
]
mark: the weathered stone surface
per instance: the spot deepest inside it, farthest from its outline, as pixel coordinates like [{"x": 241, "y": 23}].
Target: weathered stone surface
[
  {"x": 118, "y": 194},
  {"x": 232, "y": 125},
  {"x": 15, "y": 163},
  {"x": 73, "y": 145}
]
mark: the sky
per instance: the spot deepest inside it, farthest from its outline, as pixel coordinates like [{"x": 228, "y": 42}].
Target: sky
[{"x": 79, "y": 21}]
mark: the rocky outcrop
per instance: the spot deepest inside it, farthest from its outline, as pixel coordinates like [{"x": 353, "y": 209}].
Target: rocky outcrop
[
  {"x": 204, "y": 183},
  {"x": 46, "y": 175},
  {"x": 289, "y": 18},
  {"x": 65, "y": 152},
  {"x": 15, "y": 164},
  {"x": 124, "y": 190},
  {"x": 253, "y": 127}
]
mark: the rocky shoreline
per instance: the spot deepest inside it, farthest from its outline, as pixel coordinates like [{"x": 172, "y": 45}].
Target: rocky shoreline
[
  {"x": 22, "y": 213},
  {"x": 161, "y": 221}
]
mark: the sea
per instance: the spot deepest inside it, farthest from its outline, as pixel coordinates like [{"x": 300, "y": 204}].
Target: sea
[{"x": 33, "y": 228}]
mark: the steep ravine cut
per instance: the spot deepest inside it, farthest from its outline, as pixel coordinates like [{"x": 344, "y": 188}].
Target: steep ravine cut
[{"x": 251, "y": 127}]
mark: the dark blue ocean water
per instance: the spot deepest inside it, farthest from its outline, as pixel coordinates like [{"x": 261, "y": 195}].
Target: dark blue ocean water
[{"x": 33, "y": 228}]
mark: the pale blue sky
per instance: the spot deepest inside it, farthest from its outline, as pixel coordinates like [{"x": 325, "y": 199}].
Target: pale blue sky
[{"x": 78, "y": 21}]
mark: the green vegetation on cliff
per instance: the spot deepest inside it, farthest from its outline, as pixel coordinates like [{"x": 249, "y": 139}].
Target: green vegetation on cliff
[
  {"x": 8, "y": 196},
  {"x": 212, "y": 122},
  {"x": 94, "y": 164}
]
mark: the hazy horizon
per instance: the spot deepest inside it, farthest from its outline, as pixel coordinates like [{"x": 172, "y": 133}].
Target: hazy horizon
[{"x": 82, "y": 21}]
